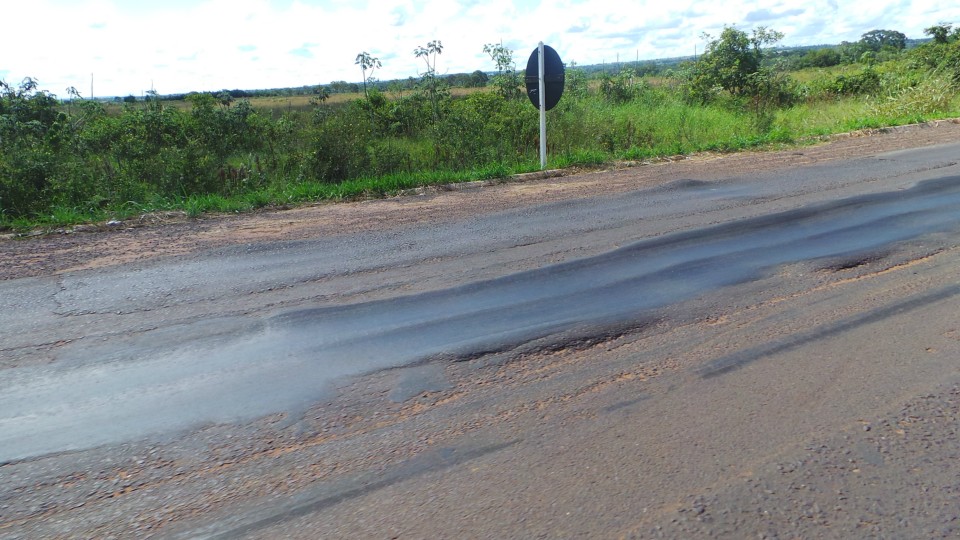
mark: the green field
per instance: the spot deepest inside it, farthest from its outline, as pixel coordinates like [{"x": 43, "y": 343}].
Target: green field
[{"x": 68, "y": 162}]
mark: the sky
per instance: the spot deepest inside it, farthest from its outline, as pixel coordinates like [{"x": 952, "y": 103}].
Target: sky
[{"x": 173, "y": 46}]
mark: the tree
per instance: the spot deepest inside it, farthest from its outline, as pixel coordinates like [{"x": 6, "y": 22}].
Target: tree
[
  {"x": 732, "y": 62},
  {"x": 575, "y": 81},
  {"x": 320, "y": 95},
  {"x": 74, "y": 93},
  {"x": 822, "y": 58},
  {"x": 507, "y": 79},
  {"x": 876, "y": 40},
  {"x": 343, "y": 87},
  {"x": 224, "y": 99},
  {"x": 619, "y": 88},
  {"x": 429, "y": 79},
  {"x": 367, "y": 63},
  {"x": 478, "y": 79},
  {"x": 31, "y": 128},
  {"x": 941, "y": 33},
  {"x": 429, "y": 55},
  {"x": 851, "y": 52},
  {"x": 943, "y": 53}
]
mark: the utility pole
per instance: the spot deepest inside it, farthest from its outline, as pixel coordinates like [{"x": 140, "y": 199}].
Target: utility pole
[{"x": 91, "y": 87}]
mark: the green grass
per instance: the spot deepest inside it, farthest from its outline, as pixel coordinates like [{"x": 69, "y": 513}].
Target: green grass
[
  {"x": 580, "y": 158},
  {"x": 587, "y": 132},
  {"x": 808, "y": 75}
]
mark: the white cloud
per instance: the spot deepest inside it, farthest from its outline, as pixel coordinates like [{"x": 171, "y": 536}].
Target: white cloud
[{"x": 183, "y": 45}]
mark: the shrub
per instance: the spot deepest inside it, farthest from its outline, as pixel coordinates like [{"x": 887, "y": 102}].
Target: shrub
[{"x": 866, "y": 82}]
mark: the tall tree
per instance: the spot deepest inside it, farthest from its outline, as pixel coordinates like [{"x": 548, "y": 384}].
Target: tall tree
[
  {"x": 367, "y": 63},
  {"x": 941, "y": 32},
  {"x": 506, "y": 80},
  {"x": 478, "y": 79},
  {"x": 876, "y": 40},
  {"x": 429, "y": 78}
]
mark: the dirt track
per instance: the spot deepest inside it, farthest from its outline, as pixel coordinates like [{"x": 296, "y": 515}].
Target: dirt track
[{"x": 818, "y": 401}]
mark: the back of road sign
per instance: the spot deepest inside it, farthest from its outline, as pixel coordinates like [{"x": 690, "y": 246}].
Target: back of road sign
[{"x": 553, "y": 77}]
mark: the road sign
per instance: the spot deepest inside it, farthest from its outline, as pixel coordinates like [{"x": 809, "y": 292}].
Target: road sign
[
  {"x": 553, "y": 77},
  {"x": 544, "y": 78}
]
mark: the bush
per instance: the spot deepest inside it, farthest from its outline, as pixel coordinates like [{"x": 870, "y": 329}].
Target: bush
[
  {"x": 733, "y": 63},
  {"x": 338, "y": 146},
  {"x": 622, "y": 87},
  {"x": 388, "y": 156},
  {"x": 486, "y": 128},
  {"x": 867, "y": 82},
  {"x": 65, "y": 159},
  {"x": 821, "y": 58}
]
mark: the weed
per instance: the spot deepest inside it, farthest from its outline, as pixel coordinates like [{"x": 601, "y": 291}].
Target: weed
[
  {"x": 65, "y": 165},
  {"x": 930, "y": 96}
]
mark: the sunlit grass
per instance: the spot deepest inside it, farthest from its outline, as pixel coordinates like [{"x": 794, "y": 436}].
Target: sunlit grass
[
  {"x": 808, "y": 75},
  {"x": 582, "y": 132}
]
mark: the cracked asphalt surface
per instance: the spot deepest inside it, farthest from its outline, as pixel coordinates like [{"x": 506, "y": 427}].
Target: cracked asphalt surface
[{"x": 756, "y": 345}]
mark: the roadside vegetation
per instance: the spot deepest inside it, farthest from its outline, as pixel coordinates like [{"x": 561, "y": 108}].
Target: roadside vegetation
[{"x": 74, "y": 160}]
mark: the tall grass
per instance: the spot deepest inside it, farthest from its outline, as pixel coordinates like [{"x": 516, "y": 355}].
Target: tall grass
[
  {"x": 199, "y": 158},
  {"x": 658, "y": 125}
]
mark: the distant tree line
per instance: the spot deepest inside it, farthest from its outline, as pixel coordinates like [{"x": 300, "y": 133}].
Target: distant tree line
[
  {"x": 873, "y": 46},
  {"x": 878, "y": 45},
  {"x": 477, "y": 79},
  {"x": 79, "y": 154}
]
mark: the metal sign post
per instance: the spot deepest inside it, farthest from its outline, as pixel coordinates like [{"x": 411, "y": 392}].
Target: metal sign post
[
  {"x": 543, "y": 110},
  {"x": 544, "y": 81}
]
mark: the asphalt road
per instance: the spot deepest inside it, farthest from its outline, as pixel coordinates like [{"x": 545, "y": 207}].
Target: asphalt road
[{"x": 641, "y": 364}]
